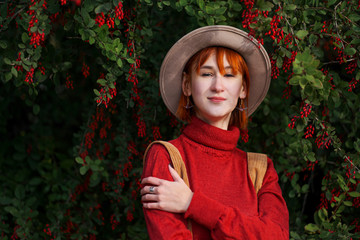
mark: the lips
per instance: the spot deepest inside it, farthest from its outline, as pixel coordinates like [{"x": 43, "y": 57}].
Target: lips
[{"x": 216, "y": 99}]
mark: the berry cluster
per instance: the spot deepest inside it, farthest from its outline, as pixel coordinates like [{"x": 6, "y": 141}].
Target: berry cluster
[
  {"x": 306, "y": 110},
  {"x": 29, "y": 76},
  {"x": 156, "y": 132},
  {"x": 69, "y": 82},
  {"x": 326, "y": 72},
  {"x": 36, "y": 38},
  {"x": 323, "y": 140},
  {"x": 100, "y": 19},
  {"x": 47, "y": 231},
  {"x": 349, "y": 167},
  {"x": 141, "y": 127},
  {"x": 119, "y": 13},
  {"x": 352, "y": 84},
  {"x": 244, "y": 135},
  {"x": 104, "y": 95},
  {"x": 85, "y": 70},
  {"x": 351, "y": 67},
  {"x": 288, "y": 61},
  {"x": 291, "y": 125},
  {"x": 311, "y": 165},
  {"x": 275, "y": 72},
  {"x": 324, "y": 28},
  {"x": 288, "y": 40},
  {"x": 276, "y": 32},
  {"x": 18, "y": 65},
  {"x": 309, "y": 132}
]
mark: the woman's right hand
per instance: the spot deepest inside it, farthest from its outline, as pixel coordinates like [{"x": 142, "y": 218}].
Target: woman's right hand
[{"x": 171, "y": 196}]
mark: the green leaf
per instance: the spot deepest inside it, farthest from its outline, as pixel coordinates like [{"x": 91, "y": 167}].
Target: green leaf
[
  {"x": 301, "y": 34},
  {"x": 33, "y": 29},
  {"x": 265, "y": 5},
  {"x": 14, "y": 72},
  {"x": 7, "y": 61},
  {"x": 36, "y": 109},
  {"x": 312, "y": 228},
  {"x": 97, "y": 93},
  {"x": 119, "y": 62},
  {"x": 317, "y": 83},
  {"x": 303, "y": 81},
  {"x": 355, "y": 41},
  {"x": 348, "y": 203},
  {"x": 295, "y": 80},
  {"x": 91, "y": 40},
  {"x": 290, "y": 7},
  {"x": 209, "y": 10},
  {"x": 305, "y": 188},
  {"x": 103, "y": 8},
  {"x": 331, "y": 2},
  {"x": 20, "y": 192},
  {"x": 85, "y": 15},
  {"x": 210, "y": 21},
  {"x": 183, "y": 3},
  {"x": 3, "y": 44},
  {"x": 220, "y": 11},
  {"x": 8, "y": 76},
  {"x": 354, "y": 194},
  {"x": 12, "y": 210},
  {"x": 101, "y": 81},
  {"x": 190, "y": 10},
  {"x": 24, "y": 37},
  {"x": 349, "y": 51},
  {"x": 313, "y": 39},
  {"x": 84, "y": 169},
  {"x": 311, "y": 157},
  {"x": 354, "y": 17},
  {"x": 130, "y": 60},
  {"x": 79, "y": 160},
  {"x": 201, "y": 4}
]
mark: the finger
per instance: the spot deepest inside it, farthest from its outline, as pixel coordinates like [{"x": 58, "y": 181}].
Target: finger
[
  {"x": 149, "y": 190},
  {"x": 150, "y": 198},
  {"x": 151, "y": 205},
  {"x": 174, "y": 174},
  {"x": 152, "y": 181}
]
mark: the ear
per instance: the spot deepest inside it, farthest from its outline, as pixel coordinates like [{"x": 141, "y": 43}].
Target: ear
[
  {"x": 186, "y": 85},
  {"x": 243, "y": 92}
]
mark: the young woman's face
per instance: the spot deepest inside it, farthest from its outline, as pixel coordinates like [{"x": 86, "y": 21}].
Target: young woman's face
[{"x": 215, "y": 95}]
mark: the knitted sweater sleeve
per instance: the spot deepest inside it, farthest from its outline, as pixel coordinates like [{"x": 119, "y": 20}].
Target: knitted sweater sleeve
[
  {"x": 224, "y": 222},
  {"x": 161, "y": 224}
]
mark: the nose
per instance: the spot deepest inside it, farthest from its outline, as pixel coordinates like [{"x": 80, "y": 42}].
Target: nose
[{"x": 217, "y": 84}]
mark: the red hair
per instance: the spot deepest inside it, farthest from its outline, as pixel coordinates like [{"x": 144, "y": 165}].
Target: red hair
[{"x": 238, "y": 118}]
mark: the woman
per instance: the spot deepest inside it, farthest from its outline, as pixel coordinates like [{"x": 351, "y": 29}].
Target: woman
[{"x": 214, "y": 78}]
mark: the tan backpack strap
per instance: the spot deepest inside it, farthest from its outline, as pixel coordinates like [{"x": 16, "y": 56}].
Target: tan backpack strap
[
  {"x": 257, "y": 166},
  {"x": 175, "y": 157},
  {"x": 177, "y": 163}
]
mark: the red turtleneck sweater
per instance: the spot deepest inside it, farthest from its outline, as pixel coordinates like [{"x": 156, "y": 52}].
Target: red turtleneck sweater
[{"x": 224, "y": 204}]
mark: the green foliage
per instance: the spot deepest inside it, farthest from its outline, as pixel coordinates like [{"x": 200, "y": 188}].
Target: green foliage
[{"x": 80, "y": 102}]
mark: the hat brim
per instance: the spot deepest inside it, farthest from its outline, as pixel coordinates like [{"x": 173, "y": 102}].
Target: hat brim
[{"x": 254, "y": 54}]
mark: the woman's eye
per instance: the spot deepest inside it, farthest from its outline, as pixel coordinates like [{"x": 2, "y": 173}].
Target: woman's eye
[
  {"x": 229, "y": 75},
  {"x": 207, "y": 74}
]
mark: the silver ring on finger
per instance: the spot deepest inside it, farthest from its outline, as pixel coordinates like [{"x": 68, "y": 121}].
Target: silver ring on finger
[{"x": 152, "y": 189}]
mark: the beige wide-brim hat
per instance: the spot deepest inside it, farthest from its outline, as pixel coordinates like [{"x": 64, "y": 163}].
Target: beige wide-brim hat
[{"x": 254, "y": 54}]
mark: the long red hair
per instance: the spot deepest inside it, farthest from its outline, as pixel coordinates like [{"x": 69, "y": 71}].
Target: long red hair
[{"x": 238, "y": 118}]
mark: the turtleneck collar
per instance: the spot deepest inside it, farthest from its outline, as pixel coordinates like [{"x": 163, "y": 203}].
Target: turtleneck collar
[{"x": 210, "y": 136}]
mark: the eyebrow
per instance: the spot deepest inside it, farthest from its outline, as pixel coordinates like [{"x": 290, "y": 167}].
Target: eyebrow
[{"x": 210, "y": 67}]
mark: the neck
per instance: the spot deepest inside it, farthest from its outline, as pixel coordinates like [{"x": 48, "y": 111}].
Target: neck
[{"x": 222, "y": 123}]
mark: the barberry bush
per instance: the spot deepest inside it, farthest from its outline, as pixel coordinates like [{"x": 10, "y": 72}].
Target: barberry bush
[{"x": 80, "y": 102}]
